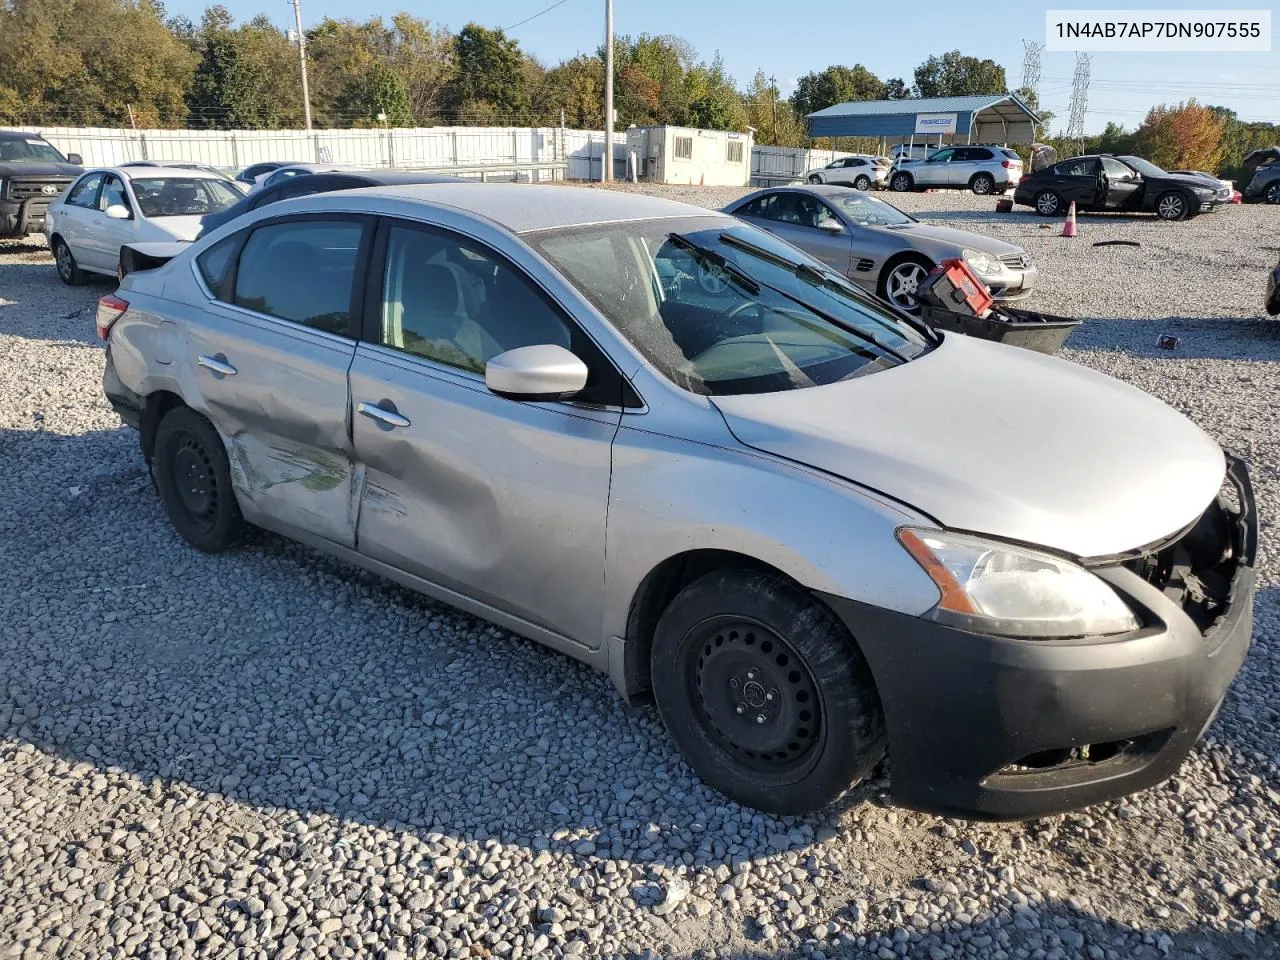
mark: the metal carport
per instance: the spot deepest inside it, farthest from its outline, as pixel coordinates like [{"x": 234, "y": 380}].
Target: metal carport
[{"x": 993, "y": 118}]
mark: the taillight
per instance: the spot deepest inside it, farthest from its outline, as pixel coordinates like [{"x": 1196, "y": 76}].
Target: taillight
[
  {"x": 1023, "y": 179},
  {"x": 110, "y": 309},
  {"x": 1007, "y": 164}
]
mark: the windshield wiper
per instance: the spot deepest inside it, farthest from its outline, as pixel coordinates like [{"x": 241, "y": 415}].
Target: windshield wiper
[
  {"x": 833, "y": 281},
  {"x": 744, "y": 279}
]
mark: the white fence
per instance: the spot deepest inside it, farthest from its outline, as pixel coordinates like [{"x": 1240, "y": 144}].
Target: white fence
[
  {"x": 771, "y": 165},
  {"x": 543, "y": 153}
]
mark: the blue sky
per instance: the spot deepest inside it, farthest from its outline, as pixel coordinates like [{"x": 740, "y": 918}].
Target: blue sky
[{"x": 752, "y": 34}]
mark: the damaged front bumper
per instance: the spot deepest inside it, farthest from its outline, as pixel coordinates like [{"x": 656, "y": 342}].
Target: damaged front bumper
[{"x": 1000, "y": 728}]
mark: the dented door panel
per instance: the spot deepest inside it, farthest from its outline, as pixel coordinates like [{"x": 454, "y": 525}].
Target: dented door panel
[
  {"x": 284, "y": 417},
  {"x": 502, "y": 501}
]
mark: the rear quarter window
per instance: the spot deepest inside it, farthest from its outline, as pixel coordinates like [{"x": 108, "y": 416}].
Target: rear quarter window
[{"x": 215, "y": 263}]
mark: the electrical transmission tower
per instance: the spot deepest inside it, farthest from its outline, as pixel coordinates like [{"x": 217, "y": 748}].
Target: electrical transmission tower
[
  {"x": 1031, "y": 69},
  {"x": 1079, "y": 100}
]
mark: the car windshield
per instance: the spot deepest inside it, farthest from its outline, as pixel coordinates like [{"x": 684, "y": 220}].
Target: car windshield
[
  {"x": 183, "y": 197},
  {"x": 715, "y": 306},
  {"x": 872, "y": 211},
  {"x": 1144, "y": 167},
  {"x": 29, "y": 150}
]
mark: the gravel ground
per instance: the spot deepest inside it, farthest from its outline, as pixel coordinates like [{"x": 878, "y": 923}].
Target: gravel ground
[{"x": 270, "y": 754}]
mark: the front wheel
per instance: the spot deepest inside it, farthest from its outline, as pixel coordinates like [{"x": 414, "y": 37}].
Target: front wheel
[
  {"x": 764, "y": 692},
  {"x": 900, "y": 283},
  {"x": 901, "y": 182},
  {"x": 68, "y": 271},
  {"x": 983, "y": 184},
  {"x": 1172, "y": 206},
  {"x": 862, "y": 183},
  {"x": 193, "y": 476}
]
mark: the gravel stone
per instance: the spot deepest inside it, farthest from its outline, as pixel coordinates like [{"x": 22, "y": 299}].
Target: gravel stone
[{"x": 267, "y": 753}]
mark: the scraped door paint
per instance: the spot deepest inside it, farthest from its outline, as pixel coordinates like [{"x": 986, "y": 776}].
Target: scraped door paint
[{"x": 284, "y": 416}]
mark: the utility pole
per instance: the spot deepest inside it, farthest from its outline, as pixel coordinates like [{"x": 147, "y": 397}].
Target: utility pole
[
  {"x": 773, "y": 89},
  {"x": 606, "y": 162},
  {"x": 302, "y": 60}
]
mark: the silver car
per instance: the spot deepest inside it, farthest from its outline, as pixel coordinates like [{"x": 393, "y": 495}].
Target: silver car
[
  {"x": 982, "y": 169},
  {"x": 658, "y": 440},
  {"x": 877, "y": 246}
]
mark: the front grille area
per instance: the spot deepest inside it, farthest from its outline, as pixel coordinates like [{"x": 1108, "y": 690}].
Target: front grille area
[
  {"x": 1196, "y": 569},
  {"x": 1017, "y": 261},
  {"x": 34, "y": 189}
]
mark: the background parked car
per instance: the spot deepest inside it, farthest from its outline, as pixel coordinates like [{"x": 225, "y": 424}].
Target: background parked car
[
  {"x": 280, "y": 174},
  {"x": 32, "y": 174},
  {"x": 862, "y": 172},
  {"x": 879, "y": 247},
  {"x": 109, "y": 207},
  {"x": 1105, "y": 182},
  {"x": 1264, "y": 182},
  {"x": 307, "y": 184},
  {"x": 250, "y": 174},
  {"x": 980, "y": 169},
  {"x": 188, "y": 165}
]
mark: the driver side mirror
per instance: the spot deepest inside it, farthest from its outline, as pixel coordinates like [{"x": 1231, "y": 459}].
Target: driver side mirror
[
  {"x": 76, "y": 159},
  {"x": 118, "y": 211},
  {"x": 831, "y": 225},
  {"x": 544, "y": 371}
]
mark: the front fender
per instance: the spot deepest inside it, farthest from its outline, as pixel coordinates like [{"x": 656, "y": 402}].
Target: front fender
[{"x": 669, "y": 496}]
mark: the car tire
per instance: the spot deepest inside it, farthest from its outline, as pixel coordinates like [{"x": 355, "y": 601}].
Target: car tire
[
  {"x": 901, "y": 182},
  {"x": 193, "y": 475},
  {"x": 815, "y": 178},
  {"x": 738, "y": 645},
  {"x": 896, "y": 280},
  {"x": 982, "y": 184},
  {"x": 1272, "y": 194},
  {"x": 1048, "y": 203},
  {"x": 68, "y": 271},
  {"x": 1172, "y": 205},
  {"x": 862, "y": 183}
]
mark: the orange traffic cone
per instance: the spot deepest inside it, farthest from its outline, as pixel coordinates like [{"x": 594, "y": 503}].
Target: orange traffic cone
[{"x": 1069, "y": 228}]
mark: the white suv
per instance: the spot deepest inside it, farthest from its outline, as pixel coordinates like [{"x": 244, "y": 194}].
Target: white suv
[
  {"x": 860, "y": 171},
  {"x": 980, "y": 169}
]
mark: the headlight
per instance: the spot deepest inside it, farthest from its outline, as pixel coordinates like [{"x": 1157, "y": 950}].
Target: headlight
[
  {"x": 1205, "y": 191},
  {"x": 1012, "y": 591},
  {"x": 981, "y": 262}
]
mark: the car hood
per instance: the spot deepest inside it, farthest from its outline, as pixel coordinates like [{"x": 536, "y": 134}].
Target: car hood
[
  {"x": 1001, "y": 441},
  {"x": 42, "y": 168},
  {"x": 180, "y": 228},
  {"x": 950, "y": 237}
]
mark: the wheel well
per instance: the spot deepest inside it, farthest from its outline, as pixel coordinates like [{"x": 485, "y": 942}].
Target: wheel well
[
  {"x": 898, "y": 258},
  {"x": 654, "y": 595},
  {"x": 982, "y": 173},
  {"x": 158, "y": 404}
]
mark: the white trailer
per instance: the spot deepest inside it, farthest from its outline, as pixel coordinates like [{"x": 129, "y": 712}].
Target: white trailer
[{"x": 713, "y": 158}]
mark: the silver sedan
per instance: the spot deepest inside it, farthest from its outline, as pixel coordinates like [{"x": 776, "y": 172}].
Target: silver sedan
[{"x": 879, "y": 247}]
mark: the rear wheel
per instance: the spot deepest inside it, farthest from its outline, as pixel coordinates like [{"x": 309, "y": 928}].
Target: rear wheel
[
  {"x": 68, "y": 272},
  {"x": 765, "y": 693},
  {"x": 193, "y": 476},
  {"x": 863, "y": 182},
  {"x": 1048, "y": 203},
  {"x": 901, "y": 182},
  {"x": 982, "y": 183},
  {"x": 815, "y": 178},
  {"x": 1272, "y": 194},
  {"x": 1172, "y": 206}
]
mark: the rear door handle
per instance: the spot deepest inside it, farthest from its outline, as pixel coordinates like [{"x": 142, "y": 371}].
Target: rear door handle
[
  {"x": 218, "y": 365},
  {"x": 375, "y": 411}
]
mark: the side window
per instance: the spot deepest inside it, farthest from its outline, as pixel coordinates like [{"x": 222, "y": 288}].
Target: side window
[
  {"x": 1080, "y": 167},
  {"x": 1115, "y": 169},
  {"x": 301, "y": 270},
  {"x": 85, "y": 193},
  {"x": 942, "y": 156},
  {"x": 454, "y": 302},
  {"x": 216, "y": 261},
  {"x": 113, "y": 195},
  {"x": 684, "y": 148},
  {"x": 977, "y": 154},
  {"x": 813, "y": 212}
]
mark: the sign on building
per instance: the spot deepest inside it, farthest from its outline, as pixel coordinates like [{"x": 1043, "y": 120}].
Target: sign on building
[{"x": 935, "y": 123}]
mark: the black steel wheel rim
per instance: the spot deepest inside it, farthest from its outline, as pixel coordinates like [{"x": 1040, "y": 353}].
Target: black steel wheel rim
[
  {"x": 754, "y": 695},
  {"x": 194, "y": 480},
  {"x": 63, "y": 257}
]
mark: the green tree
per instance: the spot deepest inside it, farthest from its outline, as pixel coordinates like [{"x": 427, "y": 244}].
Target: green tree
[
  {"x": 577, "y": 87},
  {"x": 773, "y": 117},
  {"x": 955, "y": 75},
  {"x": 1185, "y": 137},
  {"x": 490, "y": 71},
  {"x": 895, "y": 88},
  {"x": 836, "y": 84},
  {"x": 247, "y": 76},
  {"x": 424, "y": 58}
]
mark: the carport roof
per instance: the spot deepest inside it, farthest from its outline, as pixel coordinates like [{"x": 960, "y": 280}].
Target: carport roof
[{"x": 892, "y": 118}]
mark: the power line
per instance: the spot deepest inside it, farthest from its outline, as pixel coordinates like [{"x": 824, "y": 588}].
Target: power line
[{"x": 535, "y": 16}]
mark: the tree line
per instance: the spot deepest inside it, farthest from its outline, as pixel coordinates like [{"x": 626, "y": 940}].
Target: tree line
[{"x": 126, "y": 62}]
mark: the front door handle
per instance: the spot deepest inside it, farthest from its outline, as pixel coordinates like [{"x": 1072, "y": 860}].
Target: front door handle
[
  {"x": 376, "y": 411},
  {"x": 218, "y": 365}
]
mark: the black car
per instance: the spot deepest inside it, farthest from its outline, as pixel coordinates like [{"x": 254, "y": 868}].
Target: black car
[
  {"x": 318, "y": 183},
  {"x": 1105, "y": 182},
  {"x": 1262, "y": 171},
  {"x": 32, "y": 174}
]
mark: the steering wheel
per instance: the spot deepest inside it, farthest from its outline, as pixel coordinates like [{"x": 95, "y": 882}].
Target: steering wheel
[{"x": 712, "y": 278}]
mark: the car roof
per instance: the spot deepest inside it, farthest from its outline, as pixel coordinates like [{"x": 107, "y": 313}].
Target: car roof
[
  {"x": 526, "y": 207},
  {"x": 159, "y": 173},
  {"x": 818, "y": 189},
  {"x": 20, "y": 135}
]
